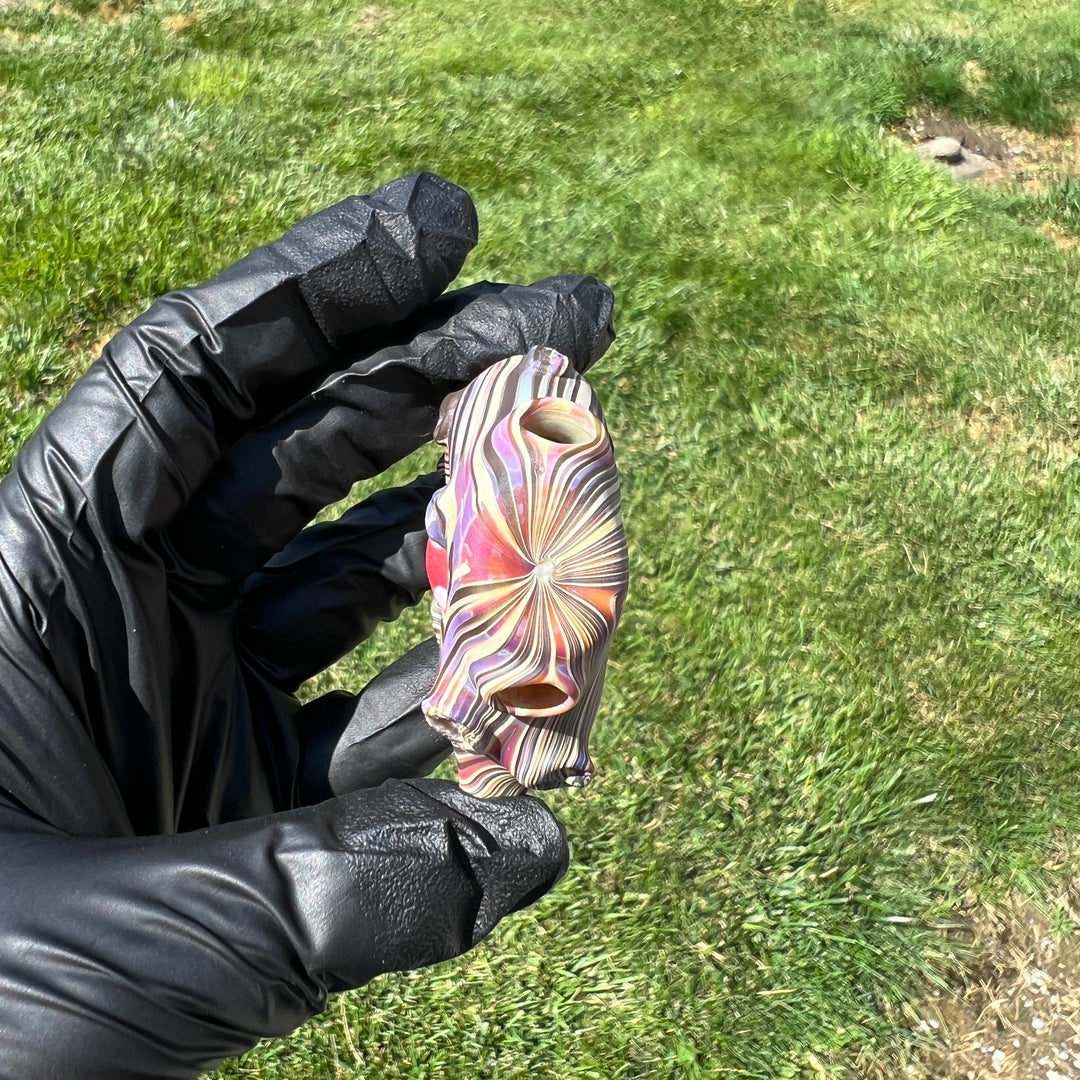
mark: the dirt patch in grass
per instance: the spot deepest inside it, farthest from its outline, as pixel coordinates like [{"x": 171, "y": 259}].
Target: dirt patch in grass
[
  {"x": 1014, "y": 155},
  {"x": 983, "y": 423},
  {"x": 1013, "y": 1009},
  {"x": 369, "y": 19},
  {"x": 994, "y": 425}
]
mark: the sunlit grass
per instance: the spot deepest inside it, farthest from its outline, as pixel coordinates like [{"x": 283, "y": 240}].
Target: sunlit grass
[{"x": 844, "y": 398}]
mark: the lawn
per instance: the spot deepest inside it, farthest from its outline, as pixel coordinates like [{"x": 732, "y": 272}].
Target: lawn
[{"x": 845, "y": 398}]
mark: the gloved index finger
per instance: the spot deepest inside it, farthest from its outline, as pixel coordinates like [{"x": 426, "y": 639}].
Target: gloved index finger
[
  {"x": 172, "y": 391},
  {"x": 358, "y": 422}
]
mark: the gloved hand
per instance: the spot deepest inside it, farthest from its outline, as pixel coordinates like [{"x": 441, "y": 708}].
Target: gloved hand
[{"x": 189, "y": 859}]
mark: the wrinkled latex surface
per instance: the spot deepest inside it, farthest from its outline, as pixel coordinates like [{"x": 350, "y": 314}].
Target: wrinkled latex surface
[{"x": 167, "y": 898}]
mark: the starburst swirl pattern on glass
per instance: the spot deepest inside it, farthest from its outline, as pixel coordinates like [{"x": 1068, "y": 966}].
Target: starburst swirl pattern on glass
[{"x": 528, "y": 566}]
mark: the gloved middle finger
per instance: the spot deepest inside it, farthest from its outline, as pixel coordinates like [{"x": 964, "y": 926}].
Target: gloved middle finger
[
  {"x": 360, "y": 421},
  {"x": 334, "y": 583}
]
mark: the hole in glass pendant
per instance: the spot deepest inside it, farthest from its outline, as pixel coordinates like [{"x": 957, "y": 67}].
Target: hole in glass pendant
[
  {"x": 532, "y": 699},
  {"x": 560, "y": 422}
]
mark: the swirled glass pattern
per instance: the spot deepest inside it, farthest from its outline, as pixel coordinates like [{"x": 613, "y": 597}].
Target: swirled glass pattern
[{"x": 528, "y": 565}]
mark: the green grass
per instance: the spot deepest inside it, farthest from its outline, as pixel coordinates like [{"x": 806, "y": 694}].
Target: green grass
[{"x": 845, "y": 398}]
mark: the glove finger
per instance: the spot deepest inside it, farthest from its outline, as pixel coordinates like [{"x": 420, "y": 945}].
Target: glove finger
[
  {"x": 439, "y": 891},
  {"x": 175, "y": 952},
  {"x": 359, "y": 422},
  {"x": 356, "y": 741},
  {"x": 335, "y": 582},
  {"x": 522, "y": 856},
  {"x": 143, "y": 428}
]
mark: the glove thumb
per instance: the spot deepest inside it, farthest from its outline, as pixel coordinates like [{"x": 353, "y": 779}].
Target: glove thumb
[{"x": 184, "y": 950}]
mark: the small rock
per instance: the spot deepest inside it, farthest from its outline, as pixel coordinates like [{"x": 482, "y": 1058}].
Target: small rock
[
  {"x": 941, "y": 149},
  {"x": 1037, "y": 1023},
  {"x": 998, "y": 1059},
  {"x": 971, "y": 166}
]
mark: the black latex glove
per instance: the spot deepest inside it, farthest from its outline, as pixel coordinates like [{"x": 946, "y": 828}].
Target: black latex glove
[{"x": 166, "y": 896}]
